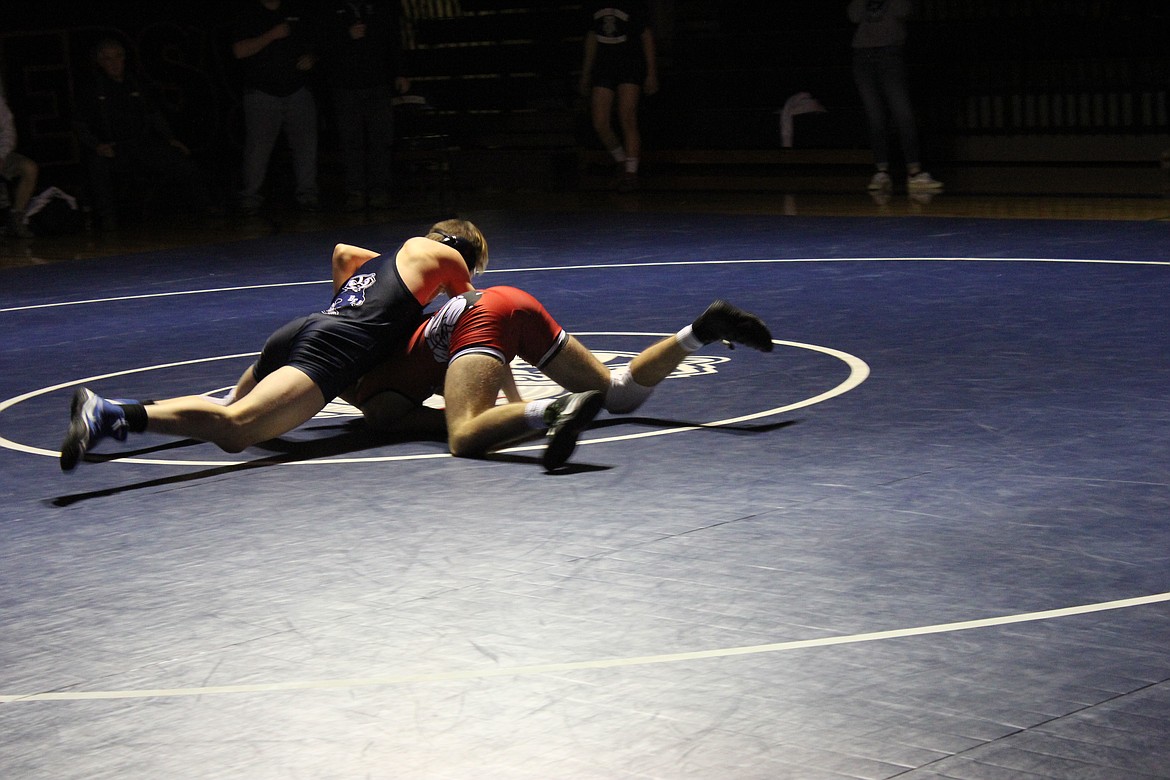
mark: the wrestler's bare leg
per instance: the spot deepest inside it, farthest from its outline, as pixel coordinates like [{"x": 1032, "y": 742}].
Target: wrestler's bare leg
[
  {"x": 657, "y": 362},
  {"x": 576, "y": 369},
  {"x": 475, "y": 425},
  {"x": 273, "y": 406}
]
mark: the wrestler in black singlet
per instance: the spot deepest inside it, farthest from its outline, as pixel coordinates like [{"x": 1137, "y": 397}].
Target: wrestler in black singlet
[{"x": 372, "y": 317}]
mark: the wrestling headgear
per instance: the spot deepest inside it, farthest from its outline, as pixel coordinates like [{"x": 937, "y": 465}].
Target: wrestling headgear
[{"x": 464, "y": 247}]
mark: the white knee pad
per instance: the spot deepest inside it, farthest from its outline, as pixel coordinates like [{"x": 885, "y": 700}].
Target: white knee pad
[
  {"x": 222, "y": 400},
  {"x": 624, "y": 394}
]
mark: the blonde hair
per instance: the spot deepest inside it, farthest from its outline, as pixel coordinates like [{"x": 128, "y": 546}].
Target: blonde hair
[{"x": 469, "y": 235}]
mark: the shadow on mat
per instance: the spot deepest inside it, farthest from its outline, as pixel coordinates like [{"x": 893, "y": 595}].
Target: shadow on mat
[
  {"x": 351, "y": 437},
  {"x": 658, "y": 422},
  {"x": 171, "y": 480},
  {"x": 354, "y": 437},
  {"x": 534, "y": 460},
  {"x": 576, "y": 467}
]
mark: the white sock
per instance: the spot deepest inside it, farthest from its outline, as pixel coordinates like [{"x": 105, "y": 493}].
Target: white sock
[
  {"x": 618, "y": 153},
  {"x": 631, "y": 165},
  {"x": 686, "y": 339},
  {"x": 534, "y": 413}
]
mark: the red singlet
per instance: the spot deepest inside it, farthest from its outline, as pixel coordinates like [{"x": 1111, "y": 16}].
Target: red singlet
[{"x": 503, "y": 322}]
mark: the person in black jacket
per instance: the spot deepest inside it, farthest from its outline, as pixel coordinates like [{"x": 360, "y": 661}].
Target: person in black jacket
[
  {"x": 130, "y": 143},
  {"x": 365, "y": 73}
]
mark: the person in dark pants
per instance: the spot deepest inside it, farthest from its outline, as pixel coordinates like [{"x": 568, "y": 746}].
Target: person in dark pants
[
  {"x": 365, "y": 73},
  {"x": 879, "y": 68},
  {"x": 275, "y": 43},
  {"x": 130, "y": 143}
]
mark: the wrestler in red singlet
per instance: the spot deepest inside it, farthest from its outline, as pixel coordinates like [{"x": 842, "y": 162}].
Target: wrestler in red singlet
[{"x": 503, "y": 322}]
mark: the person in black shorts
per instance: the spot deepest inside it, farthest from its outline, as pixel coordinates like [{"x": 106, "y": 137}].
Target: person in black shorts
[
  {"x": 620, "y": 60},
  {"x": 378, "y": 302}
]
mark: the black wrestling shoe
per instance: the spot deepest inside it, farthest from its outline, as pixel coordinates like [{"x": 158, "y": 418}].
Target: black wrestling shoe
[
  {"x": 570, "y": 415},
  {"x": 91, "y": 418},
  {"x": 724, "y": 322}
]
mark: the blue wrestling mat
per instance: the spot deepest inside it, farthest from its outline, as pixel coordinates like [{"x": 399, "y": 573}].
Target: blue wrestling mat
[{"x": 926, "y": 537}]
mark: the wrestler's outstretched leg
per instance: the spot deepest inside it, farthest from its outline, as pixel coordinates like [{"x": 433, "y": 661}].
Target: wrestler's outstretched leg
[
  {"x": 278, "y": 403},
  {"x": 575, "y": 368}
]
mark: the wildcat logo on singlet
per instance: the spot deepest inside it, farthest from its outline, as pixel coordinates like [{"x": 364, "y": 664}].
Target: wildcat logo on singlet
[{"x": 353, "y": 294}]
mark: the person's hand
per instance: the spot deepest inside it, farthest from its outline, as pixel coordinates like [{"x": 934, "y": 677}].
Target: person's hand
[
  {"x": 357, "y": 30},
  {"x": 182, "y": 147},
  {"x": 306, "y": 62},
  {"x": 282, "y": 30},
  {"x": 402, "y": 84},
  {"x": 651, "y": 84},
  {"x": 104, "y": 150}
]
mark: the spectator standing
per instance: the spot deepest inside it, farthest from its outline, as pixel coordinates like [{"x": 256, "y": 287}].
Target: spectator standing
[
  {"x": 620, "y": 61},
  {"x": 275, "y": 42},
  {"x": 130, "y": 143},
  {"x": 365, "y": 73},
  {"x": 879, "y": 68},
  {"x": 15, "y": 167}
]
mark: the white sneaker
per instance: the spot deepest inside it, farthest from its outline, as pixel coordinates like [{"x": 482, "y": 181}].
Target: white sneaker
[
  {"x": 880, "y": 181},
  {"x": 922, "y": 181}
]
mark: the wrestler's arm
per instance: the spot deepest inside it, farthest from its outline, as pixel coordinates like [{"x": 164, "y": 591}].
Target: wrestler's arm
[
  {"x": 346, "y": 260},
  {"x": 429, "y": 268},
  {"x": 511, "y": 392}
]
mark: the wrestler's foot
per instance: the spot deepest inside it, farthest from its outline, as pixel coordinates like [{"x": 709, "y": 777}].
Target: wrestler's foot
[
  {"x": 91, "y": 418},
  {"x": 568, "y": 416},
  {"x": 724, "y": 322}
]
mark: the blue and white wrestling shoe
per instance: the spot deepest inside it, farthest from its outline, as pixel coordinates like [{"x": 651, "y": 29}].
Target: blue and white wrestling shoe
[{"x": 91, "y": 419}]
